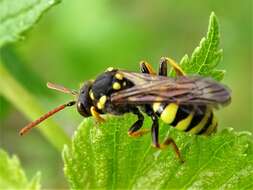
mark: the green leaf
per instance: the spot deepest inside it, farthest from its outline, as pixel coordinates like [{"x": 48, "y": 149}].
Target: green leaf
[
  {"x": 17, "y": 66},
  {"x": 12, "y": 175},
  {"x": 4, "y": 107},
  {"x": 104, "y": 157},
  {"x": 207, "y": 55},
  {"x": 17, "y": 16}
]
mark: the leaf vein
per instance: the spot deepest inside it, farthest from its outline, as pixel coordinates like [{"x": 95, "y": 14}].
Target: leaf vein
[{"x": 205, "y": 165}]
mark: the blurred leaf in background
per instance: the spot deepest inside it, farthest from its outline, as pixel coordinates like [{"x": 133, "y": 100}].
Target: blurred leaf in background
[
  {"x": 12, "y": 175},
  {"x": 4, "y": 107},
  {"x": 17, "y": 17},
  {"x": 22, "y": 72}
]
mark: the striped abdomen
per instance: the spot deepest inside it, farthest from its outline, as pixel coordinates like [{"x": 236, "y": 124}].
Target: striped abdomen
[{"x": 187, "y": 118}]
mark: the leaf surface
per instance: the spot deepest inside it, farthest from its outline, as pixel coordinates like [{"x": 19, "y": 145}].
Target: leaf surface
[{"x": 105, "y": 157}]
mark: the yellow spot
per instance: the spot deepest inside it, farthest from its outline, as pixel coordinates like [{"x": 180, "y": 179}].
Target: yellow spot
[
  {"x": 102, "y": 99},
  {"x": 101, "y": 102},
  {"x": 109, "y": 69},
  {"x": 156, "y": 106},
  {"x": 169, "y": 113},
  {"x": 119, "y": 76},
  {"x": 201, "y": 124},
  {"x": 100, "y": 106},
  {"x": 116, "y": 86},
  {"x": 91, "y": 95}
]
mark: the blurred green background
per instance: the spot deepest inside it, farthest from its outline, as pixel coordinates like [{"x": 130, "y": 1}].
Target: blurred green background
[{"x": 78, "y": 39}]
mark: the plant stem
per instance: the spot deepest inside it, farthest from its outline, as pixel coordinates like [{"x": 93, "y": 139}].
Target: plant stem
[{"x": 27, "y": 104}]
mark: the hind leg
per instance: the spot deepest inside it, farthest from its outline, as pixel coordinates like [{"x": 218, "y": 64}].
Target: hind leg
[
  {"x": 163, "y": 67},
  {"x": 168, "y": 141}
]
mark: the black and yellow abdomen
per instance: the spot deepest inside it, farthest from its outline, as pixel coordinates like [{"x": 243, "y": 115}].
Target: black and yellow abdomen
[{"x": 200, "y": 120}]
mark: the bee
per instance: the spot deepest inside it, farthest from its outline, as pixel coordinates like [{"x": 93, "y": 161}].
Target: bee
[{"x": 184, "y": 102}]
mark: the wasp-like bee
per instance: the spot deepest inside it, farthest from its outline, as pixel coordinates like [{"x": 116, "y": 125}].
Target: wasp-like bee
[{"x": 184, "y": 102}]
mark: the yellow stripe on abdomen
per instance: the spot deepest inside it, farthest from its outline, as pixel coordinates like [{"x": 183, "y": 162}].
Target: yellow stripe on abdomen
[
  {"x": 183, "y": 124},
  {"x": 196, "y": 129},
  {"x": 169, "y": 113},
  {"x": 212, "y": 128}
]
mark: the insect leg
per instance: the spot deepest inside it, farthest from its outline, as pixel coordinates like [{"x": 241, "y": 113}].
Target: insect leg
[
  {"x": 168, "y": 141},
  {"x": 146, "y": 68},
  {"x": 155, "y": 131},
  {"x": 135, "y": 131},
  {"x": 163, "y": 67},
  {"x": 96, "y": 115},
  {"x": 164, "y": 61}
]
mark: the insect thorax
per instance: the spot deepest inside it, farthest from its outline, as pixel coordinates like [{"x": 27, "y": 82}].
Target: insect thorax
[{"x": 101, "y": 89}]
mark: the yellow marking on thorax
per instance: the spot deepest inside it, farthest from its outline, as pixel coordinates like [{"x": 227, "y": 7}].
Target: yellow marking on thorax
[
  {"x": 119, "y": 76},
  {"x": 109, "y": 69},
  {"x": 156, "y": 106},
  {"x": 202, "y": 123},
  {"x": 116, "y": 86},
  {"x": 212, "y": 127},
  {"x": 169, "y": 113},
  {"x": 183, "y": 124},
  {"x": 91, "y": 95},
  {"x": 101, "y": 102}
]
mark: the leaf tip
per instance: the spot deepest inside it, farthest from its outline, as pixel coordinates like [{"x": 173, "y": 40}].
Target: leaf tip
[{"x": 213, "y": 22}]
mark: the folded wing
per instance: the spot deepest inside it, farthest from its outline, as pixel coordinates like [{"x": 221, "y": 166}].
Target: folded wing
[{"x": 193, "y": 90}]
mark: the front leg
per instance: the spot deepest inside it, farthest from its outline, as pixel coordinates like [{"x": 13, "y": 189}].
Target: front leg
[
  {"x": 96, "y": 115},
  {"x": 135, "y": 131},
  {"x": 168, "y": 141}
]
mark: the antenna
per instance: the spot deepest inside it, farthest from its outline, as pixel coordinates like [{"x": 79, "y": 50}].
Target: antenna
[
  {"x": 61, "y": 89},
  {"x": 44, "y": 117}
]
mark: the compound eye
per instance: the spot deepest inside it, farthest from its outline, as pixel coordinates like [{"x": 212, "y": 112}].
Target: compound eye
[{"x": 82, "y": 110}]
